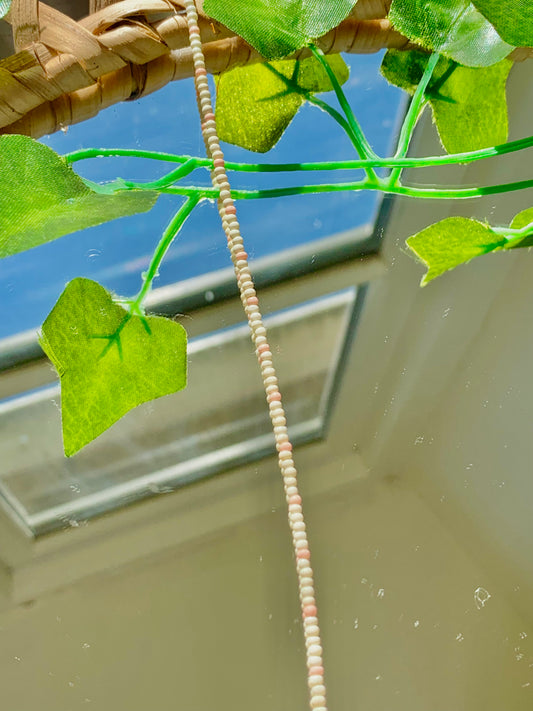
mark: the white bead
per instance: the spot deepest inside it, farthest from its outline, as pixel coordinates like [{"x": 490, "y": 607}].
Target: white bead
[
  {"x": 314, "y": 661},
  {"x": 306, "y": 591},
  {"x": 319, "y": 690},
  {"x": 304, "y": 580},
  {"x": 312, "y": 640},
  {"x": 292, "y": 491},
  {"x": 279, "y": 421},
  {"x": 310, "y": 621},
  {"x": 297, "y": 523},
  {"x": 301, "y": 544},
  {"x": 290, "y": 471},
  {"x": 315, "y": 649},
  {"x": 318, "y": 702},
  {"x": 299, "y": 536},
  {"x": 315, "y": 680},
  {"x": 294, "y": 517},
  {"x": 309, "y": 601},
  {"x": 313, "y": 630}
]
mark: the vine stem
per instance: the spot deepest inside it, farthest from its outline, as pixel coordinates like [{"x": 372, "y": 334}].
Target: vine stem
[
  {"x": 250, "y": 303},
  {"x": 364, "y": 149},
  {"x": 451, "y": 159},
  {"x": 409, "y": 191},
  {"x": 415, "y": 108},
  {"x": 169, "y": 234}
]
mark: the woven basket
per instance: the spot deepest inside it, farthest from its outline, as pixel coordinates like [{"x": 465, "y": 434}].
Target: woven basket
[{"x": 66, "y": 71}]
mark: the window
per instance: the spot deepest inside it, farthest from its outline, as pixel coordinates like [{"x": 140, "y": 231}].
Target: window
[{"x": 161, "y": 445}]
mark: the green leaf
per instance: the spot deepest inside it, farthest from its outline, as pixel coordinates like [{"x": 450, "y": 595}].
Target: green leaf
[
  {"x": 513, "y": 19},
  {"x": 5, "y": 6},
  {"x": 255, "y": 104},
  {"x": 523, "y": 219},
  {"x": 451, "y": 242},
  {"x": 277, "y": 28},
  {"x": 42, "y": 198},
  {"x": 109, "y": 360},
  {"x": 451, "y": 27},
  {"x": 469, "y": 104}
]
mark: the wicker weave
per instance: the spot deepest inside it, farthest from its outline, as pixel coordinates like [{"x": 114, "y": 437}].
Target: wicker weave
[{"x": 64, "y": 71}]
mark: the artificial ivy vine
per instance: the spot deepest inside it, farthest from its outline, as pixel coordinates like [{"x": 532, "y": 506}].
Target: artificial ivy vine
[{"x": 103, "y": 346}]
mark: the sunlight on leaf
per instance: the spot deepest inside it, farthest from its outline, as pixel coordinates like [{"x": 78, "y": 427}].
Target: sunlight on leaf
[
  {"x": 469, "y": 104},
  {"x": 277, "y": 28},
  {"x": 42, "y": 198},
  {"x": 451, "y": 27},
  {"x": 109, "y": 361},
  {"x": 451, "y": 242},
  {"x": 255, "y": 104},
  {"x": 513, "y": 19}
]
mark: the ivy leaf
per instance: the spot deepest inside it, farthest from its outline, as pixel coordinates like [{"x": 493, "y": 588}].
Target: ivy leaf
[
  {"x": 522, "y": 219},
  {"x": 255, "y": 104},
  {"x": 276, "y": 28},
  {"x": 109, "y": 360},
  {"x": 513, "y": 19},
  {"x": 451, "y": 242},
  {"x": 469, "y": 104},
  {"x": 451, "y": 27},
  {"x": 5, "y": 6},
  {"x": 42, "y": 198}
]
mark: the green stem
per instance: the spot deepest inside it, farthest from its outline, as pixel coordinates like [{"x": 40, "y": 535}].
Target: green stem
[
  {"x": 415, "y": 108},
  {"x": 514, "y": 235},
  {"x": 416, "y": 192},
  {"x": 168, "y": 179},
  {"x": 166, "y": 240},
  {"x": 347, "y": 129},
  {"x": 454, "y": 158},
  {"x": 364, "y": 149}
]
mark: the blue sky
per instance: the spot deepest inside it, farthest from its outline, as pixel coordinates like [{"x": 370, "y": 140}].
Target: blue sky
[{"x": 116, "y": 253}]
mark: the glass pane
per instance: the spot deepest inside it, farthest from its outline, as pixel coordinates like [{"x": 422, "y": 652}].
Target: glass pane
[{"x": 220, "y": 420}]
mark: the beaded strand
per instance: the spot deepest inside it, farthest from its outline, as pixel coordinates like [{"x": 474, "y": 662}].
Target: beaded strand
[{"x": 230, "y": 224}]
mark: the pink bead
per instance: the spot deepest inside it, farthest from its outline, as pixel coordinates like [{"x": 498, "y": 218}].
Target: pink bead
[
  {"x": 303, "y": 553},
  {"x": 241, "y": 255},
  {"x": 274, "y": 396},
  {"x": 264, "y": 347},
  {"x": 218, "y": 162},
  {"x": 200, "y": 72},
  {"x": 230, "y": 210},
  {"x": 285, "y": 447},
  {"x": 295, "y": 499},
  {"x": 310, "y": 611},
  {"x": 316, "y": 671},
  {"x": 210, "y": 117},
  {"x": 254, "y": 301}
]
